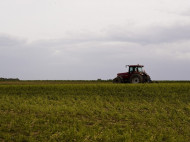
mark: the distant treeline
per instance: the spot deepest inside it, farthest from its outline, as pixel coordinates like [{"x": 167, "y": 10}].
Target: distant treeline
[
  {"x": 9, "y": 79},
  {"x": 171, "y": 81},
  {"x": 98, "y": 80}
]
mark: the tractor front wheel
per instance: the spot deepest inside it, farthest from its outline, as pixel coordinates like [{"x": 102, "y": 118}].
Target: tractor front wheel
[
  {"x": 117, "y": 80},
  {"x": 147, "y": 79}
]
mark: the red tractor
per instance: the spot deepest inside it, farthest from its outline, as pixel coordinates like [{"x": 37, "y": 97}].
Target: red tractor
[{"x": 134, "y": 75}]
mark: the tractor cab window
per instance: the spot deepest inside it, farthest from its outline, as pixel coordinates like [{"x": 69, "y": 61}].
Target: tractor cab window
[
  {"x": 135, "y": 69},
  {"x": 131, "y": 69},
  {"x": 140, "y": 69}
]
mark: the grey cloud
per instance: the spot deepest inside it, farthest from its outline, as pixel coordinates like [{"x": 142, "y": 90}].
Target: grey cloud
[
  {"x": 152, "y": 35},
  {"x": 185, "y": 13},
  {"x": 7, "y": 41}
]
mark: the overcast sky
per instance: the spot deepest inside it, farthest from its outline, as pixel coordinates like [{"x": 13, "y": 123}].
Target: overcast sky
[{"x": 91, "y": 39}]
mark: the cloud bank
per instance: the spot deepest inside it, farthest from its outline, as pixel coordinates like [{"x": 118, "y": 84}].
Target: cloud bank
[{"x": 95, "y": 57}]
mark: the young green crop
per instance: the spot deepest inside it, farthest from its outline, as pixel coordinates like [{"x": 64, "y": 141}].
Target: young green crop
[{"x": 95, "y": 112}]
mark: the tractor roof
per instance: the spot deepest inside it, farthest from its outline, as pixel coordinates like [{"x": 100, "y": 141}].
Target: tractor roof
[{"x": 135, "y": 65}]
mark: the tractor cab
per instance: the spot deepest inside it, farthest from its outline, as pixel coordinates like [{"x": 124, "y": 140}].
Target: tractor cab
[{"x": 135, "y": 68}]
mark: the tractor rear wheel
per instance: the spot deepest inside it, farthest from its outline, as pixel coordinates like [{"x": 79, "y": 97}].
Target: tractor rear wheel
[{"x": 136, "y": 78}]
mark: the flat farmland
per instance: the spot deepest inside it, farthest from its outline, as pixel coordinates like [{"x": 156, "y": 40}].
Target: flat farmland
[{"x": 94, "y": 111}]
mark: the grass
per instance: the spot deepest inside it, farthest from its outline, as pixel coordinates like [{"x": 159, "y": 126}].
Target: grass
[{"x": 94, "y": 112}]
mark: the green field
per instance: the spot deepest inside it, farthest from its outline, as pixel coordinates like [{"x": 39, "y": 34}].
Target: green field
[{"x": 94, "y": 111}]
